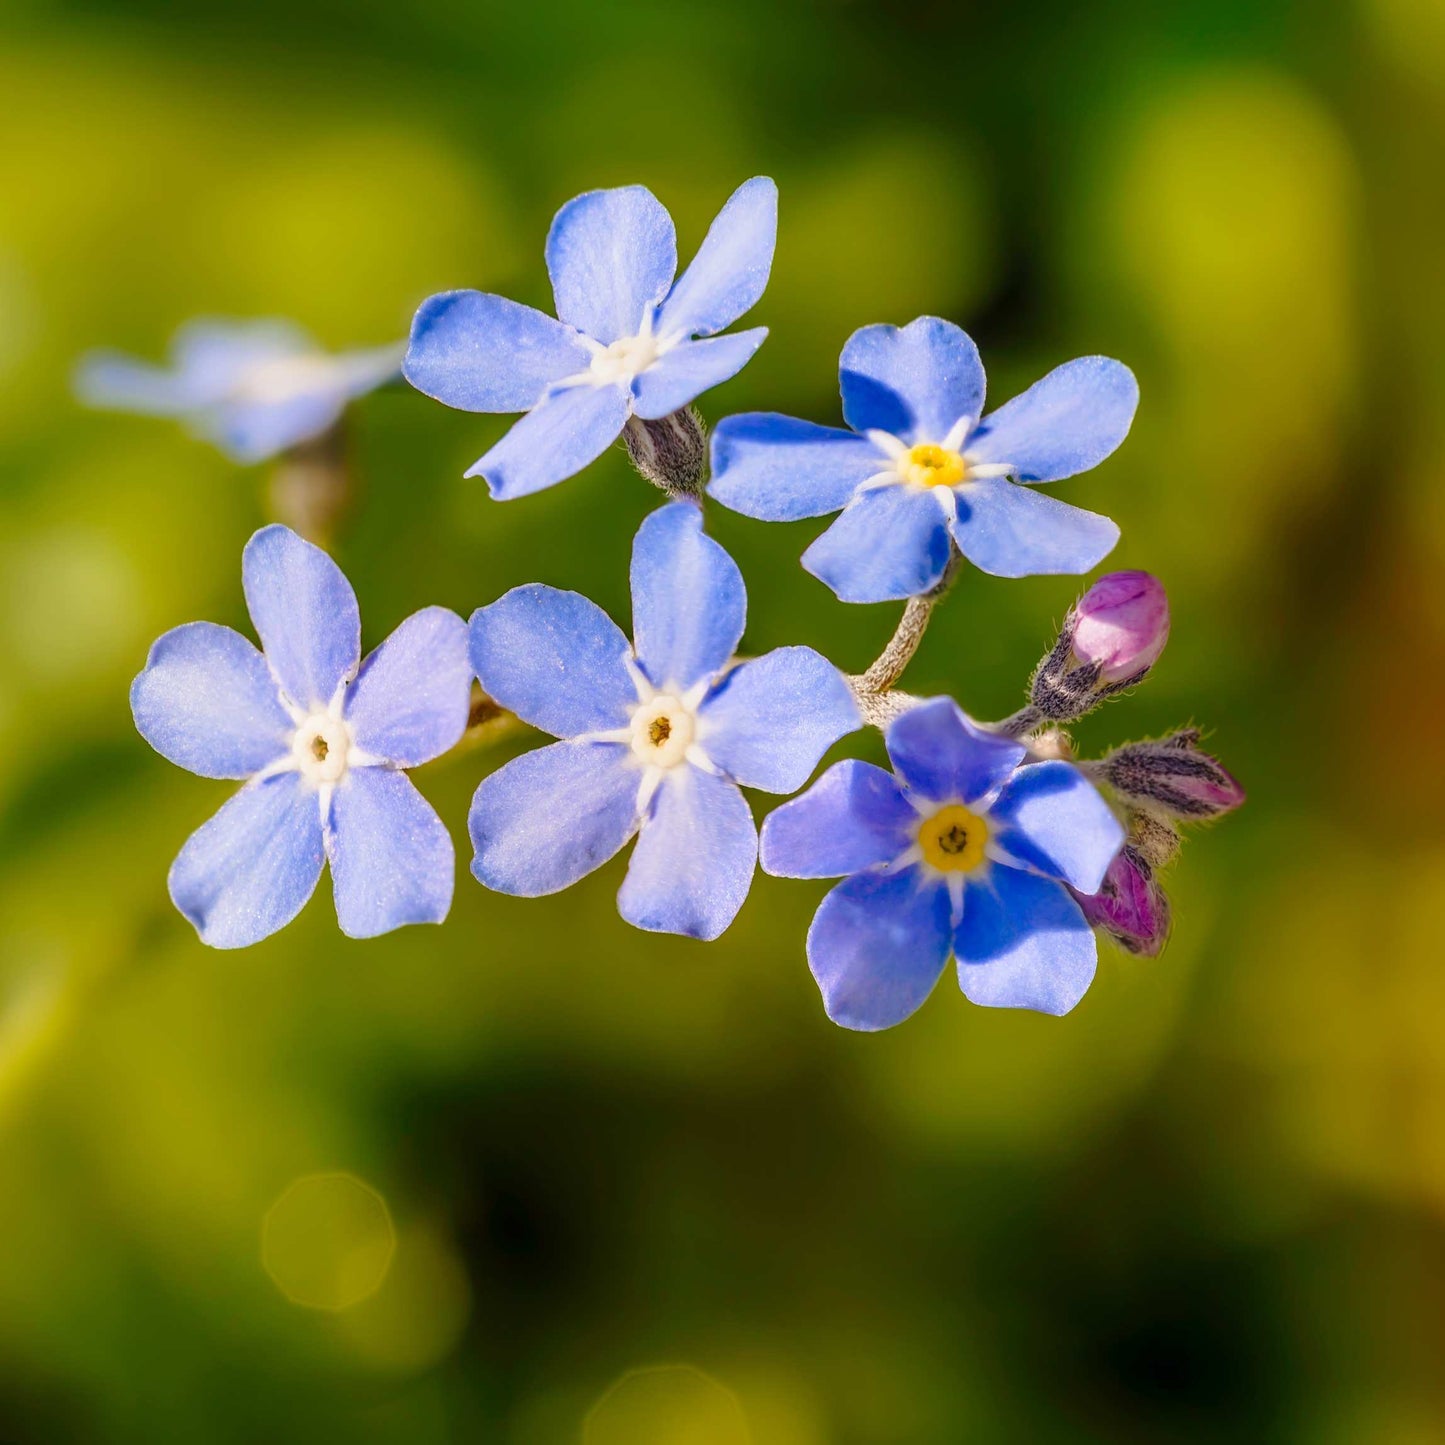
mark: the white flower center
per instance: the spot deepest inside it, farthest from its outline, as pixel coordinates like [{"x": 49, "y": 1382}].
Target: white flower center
[
  {"x": 322, "y": 748},
  {"x": 283, "y": 377},
  {"x": 663, "y": 729},
  {"x": 624, "y": 359}
]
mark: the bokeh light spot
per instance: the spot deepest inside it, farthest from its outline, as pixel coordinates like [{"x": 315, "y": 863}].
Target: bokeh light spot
[
  {"x": 328, "y": 1241},
  {"x": 667, "y": 1405}
]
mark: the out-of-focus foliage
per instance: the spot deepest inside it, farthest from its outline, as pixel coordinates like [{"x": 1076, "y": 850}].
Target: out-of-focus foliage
[{"x": 456, "y": 1183}]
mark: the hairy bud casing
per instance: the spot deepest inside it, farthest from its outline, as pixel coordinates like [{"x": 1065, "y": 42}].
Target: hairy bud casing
[
  {"x": 1172, "y": 776},
  {"x": 670, "y": 452}
]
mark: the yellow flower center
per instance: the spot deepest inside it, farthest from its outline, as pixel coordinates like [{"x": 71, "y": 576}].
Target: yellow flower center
[
  {"x": 952, "y": 839},
  {"x": 927, "y": 465}
]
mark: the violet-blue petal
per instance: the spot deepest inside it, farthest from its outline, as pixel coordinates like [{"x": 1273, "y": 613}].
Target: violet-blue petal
[
  {"x": 479, "y": 352},
  {"x": 877, "y": 946},
  {"x": 690, "y": 368},
  {"x": 1051, "y": 817},
  {"x": 251, "y": 868},
  {"x": 1013, "y": 531},
  {"x": 254, "y": 431},
  {"x": 305, "y": 614},
  {"x": 693, "y": 863},
  {"x": 916, "y": 382},
  {"x": 555, "y": 659},
  {"x": 773, "y": 718},
  {"x": 612, "y": 256},
  {"x": 730, "y": 271},
  {"x": 1063, "y": 424},
  {"x": 555, "y": 440},
  {"x": 392, "y": 861},
  {"x": 854, "y": 817},
  {"x": 550, "y": 817},
  {"x": 1023, "y": 943},
  {"x": 944, "y": 756},
  {"x": 207, "y": 701},
  {"x": 112, "y": 381},
  {"x": 688, "y": 600},
  {"x": 890, "y": 543},
  {"x": 410, "y": 701},
  {"x": 779, "y": 469}
]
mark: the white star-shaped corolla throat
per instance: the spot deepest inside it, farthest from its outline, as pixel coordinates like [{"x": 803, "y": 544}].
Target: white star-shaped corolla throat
[
  {"x": 283, "y": 378},
  {"x": 931, "y": 466},
  {"x": 625, "y": 359},
  {"x": 322, "y": 750}
]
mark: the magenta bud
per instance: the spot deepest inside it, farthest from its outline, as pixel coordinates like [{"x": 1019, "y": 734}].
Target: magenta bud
[
  {"x": 1121, "y": 625},
  {"x": 1130, "y": 906}
]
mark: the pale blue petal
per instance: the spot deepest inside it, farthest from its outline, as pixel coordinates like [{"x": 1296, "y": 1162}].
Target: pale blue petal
[
  {"x": 694, "y": 860},
  {"x": 1023, "y": 943},
  {"x": 213, "y": 354},
  {"x": 550, "y": 817},
  {"x": 392, "y": 861},
  {"x": 779, "y": 469},
  {"x": 410, "y": 701},
  {"x": 1014, "y": 531},
  {"x": 305, "y": 614},
  {"x": 890, "y": 543},
  {"x": 877, "y": 946},
  {"x": 688, "y": 599},
  {"x": 251, "y": 868},
  {"x": 773, "y": 718},
  {"x": 112, "y": 381},
  {"x": 916, "y": 383},
  {"x": 358, "y": 372},
  {"x": 207, "y": 701},
  {"x": 479, "y": 352},
  {"x": 555, "y": 659},
  {"x": 730, "y": 271},
  {"x": 254, "y": 431},
  {"x": 854, "y": 817},
  {"x": 1064, "y": 424},
  {"x": 944, "y": 756},
  {"x": 1050, "y": 816},
  {"x": 555, "y": 441},
  {"x": 690, "y": 369},
  {"x": 612, "y": 256}
]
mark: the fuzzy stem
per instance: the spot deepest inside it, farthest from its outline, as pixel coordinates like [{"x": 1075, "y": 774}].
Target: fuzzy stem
[
  {"x": 311, "y": 486},
  {"x": 1025, "y": 720}
]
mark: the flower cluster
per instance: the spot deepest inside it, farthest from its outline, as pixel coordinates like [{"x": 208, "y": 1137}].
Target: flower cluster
[{"x": 989, "y": 844}]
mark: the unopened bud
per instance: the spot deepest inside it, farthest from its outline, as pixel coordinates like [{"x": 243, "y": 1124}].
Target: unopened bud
[
  {"x": 1172, "y": 776},
  {"x": 1121, "y": 625},
  {"x": 670, "y": 452},
  {"x": 1155, "y": 839},
  {"x": 1130, "y": 906}
]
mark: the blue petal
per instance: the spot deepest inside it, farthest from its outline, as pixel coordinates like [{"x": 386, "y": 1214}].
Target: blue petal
[
  {"x": 392, "y": 861},
  {"x": 555, "y": 659},
  {"x": 254, "y": 431},
  {"x": 890, "y": 543},
  {"x": 774, "y": 717},
  {"x": 693, "y": 864},
  {"x": 730, "y": 271},
  {"x": 916, "y": 383},
  {"x": 479, "y": 352},
  {"x": 114, "y": 382},
  {"x": 878, "y": 945},
  {"x": 690, "y": 369},
  {"x": 251, "y": 868},
  {"x": 410, "y": 701},
  {"x": 1065, "y": 424},
  {"x": 550, "y": 817},
  {"x": 305, "y": 614},
  {"x": 555, "y": 441},
  {"x": 207, "y": 701},
  {"x": 1052, "y": 818},
  {"x": 1014, "y": 531},
  {"x": 854, "y": 817},
  {"x": 1023, "y": 943},
  {"x": 612, "y": 256},
  {"x": 779, "y": 469},
  {"x": 213, "y": 354},
  {"x": 944, "y": 756},
  {"x": 688, "y": 599}
]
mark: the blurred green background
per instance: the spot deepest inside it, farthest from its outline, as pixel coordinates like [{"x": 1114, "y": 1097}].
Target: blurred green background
[{"x": 457, "y": 1183}]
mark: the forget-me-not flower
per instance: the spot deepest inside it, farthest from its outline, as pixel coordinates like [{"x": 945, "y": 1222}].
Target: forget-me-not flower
[
  {"x": 321, "y": 739},
  {"x": 627, "y": 341},
  {"x": 923, "y": 468},
  {"x": 965, "y": 849},
  {"x": 656, "y": 735},
  {"x": 252, "y": 388}
]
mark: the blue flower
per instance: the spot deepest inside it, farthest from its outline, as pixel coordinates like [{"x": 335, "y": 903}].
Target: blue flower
[
  {"x": 252, "y": 388},
  {"x": 657, "y": 734},
  {"x": 920, "y": 471},
  {"x": 321, "y": 745},
  {"x": 966, "y": 850},
  {"x": 624, "y": 345}
]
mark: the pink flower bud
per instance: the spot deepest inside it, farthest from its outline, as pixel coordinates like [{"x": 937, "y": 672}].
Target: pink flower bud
[
  {"x": 1130, "y": 907},
  {"x": 1172, "y": 776},
  {"x": 1121, "y": 623}
]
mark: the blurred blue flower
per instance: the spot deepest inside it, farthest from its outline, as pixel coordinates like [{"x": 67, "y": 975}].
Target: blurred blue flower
[
  {"x": 920, "y": 471},
  {"x": 657, "y": 734},
  {"x": 625, "y": 345},
  {"x": 321, "y": 745},
  {"x": 252, "y": 388},
  {"x": 966, "y": 850}
]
